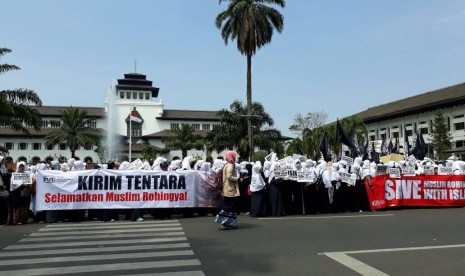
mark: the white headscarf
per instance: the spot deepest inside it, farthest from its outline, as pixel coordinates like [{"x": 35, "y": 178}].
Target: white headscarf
[
  {"x": 175, "y": 164},
  {"x": 186, "y": 163},
  {"x": 79, "y": 165},
  {"x": 256, "y": 183},
  {"x": 157, "y": 162},
  {"x": 124, "y": 165},
  {"x": 275, "y": 167},
  {"x": 198, "y": 164},
  {"x": 267, "y": 168}
]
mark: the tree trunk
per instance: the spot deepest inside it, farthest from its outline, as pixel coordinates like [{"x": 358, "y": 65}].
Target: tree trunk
[{"x": 249, "y": 105}]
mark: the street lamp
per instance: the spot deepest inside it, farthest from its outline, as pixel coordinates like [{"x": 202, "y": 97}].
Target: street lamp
[{"x": 250, "y": 133}]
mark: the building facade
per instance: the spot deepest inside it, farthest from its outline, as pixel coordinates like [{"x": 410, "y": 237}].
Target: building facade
[
  {"x": 122, "y": 138},
  {"x": 405, "y": 117}
]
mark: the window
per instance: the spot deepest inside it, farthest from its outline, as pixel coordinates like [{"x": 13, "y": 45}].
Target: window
[
  {"x": 88, "y": 146},
  {"x": 136, "y": 130},
  {"x": 458, "y": 144},
  {"x": 128, "y": 95},
  {"x": 22, "y": 146},
  {"x": 383, "y": 136},
  {"x": 134, "y": 95},
  {"x": 62, "y": 146},
  {"x": 206, "y": 126},
  {"x": 424, "y": 130},
  {"x": 408, "y": 132},
  {"x": 174, "y": 126},
  {"x": 195, "y": 126},
  {"x": 36, "y": 146},
  {"x": 49, "y": 146},
  {"x": 216, "y": 125},
  {"x": 141, "y": 96},
  {"x": 9, "y": 146},
  {"x": 147, "y": 96},
  {"x": 458, "y": 116},
  {"x": 459, "y": 126},
  {"x": 372, "y": 137},
  {"x": 121, "y": 95},
  {"x": 422, "y": 122},
  {"x": 395, "y": 135},
  {"x": 44, "y": 123},
  {"x": 55, "y": 124}
]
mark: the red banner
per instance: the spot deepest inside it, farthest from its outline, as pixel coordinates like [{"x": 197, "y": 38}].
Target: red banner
[{"x": 420, "y": 190}]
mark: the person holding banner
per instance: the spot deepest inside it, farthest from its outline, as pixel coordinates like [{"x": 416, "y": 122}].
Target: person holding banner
[{"x": 227, "y": 217}]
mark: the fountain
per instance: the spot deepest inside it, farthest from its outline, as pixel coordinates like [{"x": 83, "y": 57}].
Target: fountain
[{"x": 110, "y": 140}]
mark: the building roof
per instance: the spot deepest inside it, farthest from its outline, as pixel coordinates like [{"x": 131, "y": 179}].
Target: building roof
[
  {"x": 136, "y": 81},
  {"x": 189, "y": 115},
  {"x": 436, "y": 99},
  {"x": 170, "y": 133},
  {"x": 56, "y": 111}
]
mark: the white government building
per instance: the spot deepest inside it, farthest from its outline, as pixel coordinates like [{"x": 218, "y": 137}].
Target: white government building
[
  {"x": 135, "y": 93},
  {"x": 132, "y": 93}
]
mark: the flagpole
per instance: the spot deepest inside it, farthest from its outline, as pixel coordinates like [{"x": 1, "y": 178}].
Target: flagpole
[{"x": 130, "y": 137}]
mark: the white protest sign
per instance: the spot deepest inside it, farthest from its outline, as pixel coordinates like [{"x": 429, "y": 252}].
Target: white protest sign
[
  {"x": 305, "y": 176},
  {"x": 394, "y": 172},
  {"x": 408, "y": 171},
  {"x": 381, "y": 169},
  {"x": 18, "y": 179},
  {"x": 445, "y": 170},
  {"x": 348, "y": 178}
]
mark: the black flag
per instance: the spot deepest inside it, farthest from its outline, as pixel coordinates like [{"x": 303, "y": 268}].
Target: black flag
[
  {"x": 406, "y": 145},
  {"x": 324, "y": 148},
  {"x": 341, "y": 137}
]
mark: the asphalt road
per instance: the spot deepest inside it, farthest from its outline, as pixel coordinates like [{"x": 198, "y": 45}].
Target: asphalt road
[{"x": 428, "y": 241}]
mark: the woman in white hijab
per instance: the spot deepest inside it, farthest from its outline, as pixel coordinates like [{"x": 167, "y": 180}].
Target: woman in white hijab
[
  {"x": 21, "y": 197},
  {"x": 276, "y": 205},
  {"x": 259, "y": 194}
]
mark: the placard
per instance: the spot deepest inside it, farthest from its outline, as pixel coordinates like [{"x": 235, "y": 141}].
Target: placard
[
  {"x": 381, "y": 169},
  {"x": 408, "y": 171},
  {"x": 305, "y": 176},
  {"x": 445, "y": 170},
  {"x": 348, "y": 178},
  {"x": 394, "y": 172}
]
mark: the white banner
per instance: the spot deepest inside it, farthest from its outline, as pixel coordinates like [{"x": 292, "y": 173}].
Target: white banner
[{"x": 124, "y": 189}]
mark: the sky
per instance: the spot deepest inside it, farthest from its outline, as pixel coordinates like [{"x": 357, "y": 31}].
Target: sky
[{"x": 336, "y": 56}]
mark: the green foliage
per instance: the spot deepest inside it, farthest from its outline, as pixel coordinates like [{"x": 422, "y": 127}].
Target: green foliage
[
  {"x": 75, "y": 130},
  {"x": 231, "y": 133},
  {"x": 441, "y": 138},
  {"x": 183, "y": 139},
  {"x": 251, "y": 23},
  {"x": 16, "y": 105}
]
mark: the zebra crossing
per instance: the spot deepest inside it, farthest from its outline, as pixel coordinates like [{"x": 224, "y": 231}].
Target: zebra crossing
[{"x": 95, "y": 248}]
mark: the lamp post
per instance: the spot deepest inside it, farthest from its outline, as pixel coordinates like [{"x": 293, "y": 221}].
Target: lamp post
[{"x": 250, "y": 133}]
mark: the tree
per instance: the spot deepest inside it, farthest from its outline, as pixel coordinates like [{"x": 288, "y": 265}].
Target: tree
[
  {"x": 310, "y": 121},
  {"x": 441, "y": 138},
  {"x": 16, "y": 106},
  {"x": 251, "y": 23},
  {"x": 183, "y": 139},
  {"x": 75, "y": 130},
  {"x": 231, "y": 133}
]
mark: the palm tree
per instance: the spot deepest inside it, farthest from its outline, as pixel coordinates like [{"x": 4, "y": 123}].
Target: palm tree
[
  {"x": 231, "y": 133},
  {"x": 75, "y": 130},
  {"x": 16, "y": 106},
  {"x": 251, "y": 23},
  {"x": 184, "y": 139}
]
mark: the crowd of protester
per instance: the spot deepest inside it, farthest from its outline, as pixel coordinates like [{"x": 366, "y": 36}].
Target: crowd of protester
[{"x": 250, "y": 188}]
